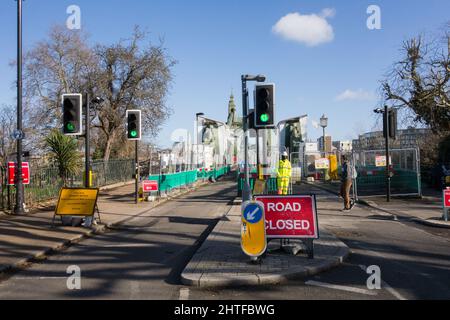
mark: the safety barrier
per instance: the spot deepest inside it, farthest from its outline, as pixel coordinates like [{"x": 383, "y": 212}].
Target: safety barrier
[
  {"x": 404, "y": 169},
  {"x": 168, "y": 182},
  {"x": 271, "y": 186}
]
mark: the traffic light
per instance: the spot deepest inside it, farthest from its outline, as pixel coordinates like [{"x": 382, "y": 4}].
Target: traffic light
[
  {"x": 72, "y": 112},
  {"x": 391, "y": 122},
  {"x": 264, "y": 105},
  {"x": 134, "y": 125}
]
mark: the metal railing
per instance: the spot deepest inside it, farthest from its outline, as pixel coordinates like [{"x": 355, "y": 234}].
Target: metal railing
[
  {"x": 45, "y": 182},
  {"x": 404, "y": 169}
]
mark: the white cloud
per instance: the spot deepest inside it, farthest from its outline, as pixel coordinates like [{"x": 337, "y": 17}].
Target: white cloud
[
  {"x": 312, "y": 29},
  {"x": 356, "y": 95}
]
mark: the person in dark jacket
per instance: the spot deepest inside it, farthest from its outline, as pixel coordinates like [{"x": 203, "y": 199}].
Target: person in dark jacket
[{"x": 346, "y": 183}]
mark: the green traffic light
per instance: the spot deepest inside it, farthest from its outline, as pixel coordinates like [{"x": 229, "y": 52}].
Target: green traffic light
[
  {"x": 264, "y": 117},
  {"x": 70, "y": 126},
  {"x": 133, "y": 133}
]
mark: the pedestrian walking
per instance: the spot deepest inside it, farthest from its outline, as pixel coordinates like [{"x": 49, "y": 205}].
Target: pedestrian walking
[
  {"x": 347, "y": 176},
  {"x": 284, "y": 174}
]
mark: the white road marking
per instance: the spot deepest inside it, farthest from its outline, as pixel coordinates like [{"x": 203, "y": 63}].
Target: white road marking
[
  {"x": 129, "y": 245},
  {"x": 385, "y": 285},
  {"x": 39, "y": 278},
  {"x": 342, "y": 288},
  {"x": 184, "y": 294}
]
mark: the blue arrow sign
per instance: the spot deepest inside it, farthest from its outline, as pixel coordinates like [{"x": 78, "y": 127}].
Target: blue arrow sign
[{"x": 253, "y": 213}]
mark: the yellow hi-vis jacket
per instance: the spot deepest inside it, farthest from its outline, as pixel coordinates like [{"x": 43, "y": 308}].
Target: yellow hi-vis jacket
[{"x": 284, "y": 169}]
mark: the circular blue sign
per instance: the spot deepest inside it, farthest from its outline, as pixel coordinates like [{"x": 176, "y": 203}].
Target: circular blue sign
[{"x": 253, "y": 213}]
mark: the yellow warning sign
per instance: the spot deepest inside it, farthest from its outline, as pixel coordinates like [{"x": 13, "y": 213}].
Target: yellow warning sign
[
  {"x": 77, "y": 202},
  {"x": 253, "y": 229}
]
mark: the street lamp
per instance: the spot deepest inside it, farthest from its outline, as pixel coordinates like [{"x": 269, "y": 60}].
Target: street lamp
[
  {"x": 246, "y": 192},
  {"x": 324, "y": 124},
  {"x": 386, "y": 129},
  {"x": 20, "y": 196}
]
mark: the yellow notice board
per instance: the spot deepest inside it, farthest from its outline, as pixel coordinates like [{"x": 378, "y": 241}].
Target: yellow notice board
[{"x": 77, "y": 202}]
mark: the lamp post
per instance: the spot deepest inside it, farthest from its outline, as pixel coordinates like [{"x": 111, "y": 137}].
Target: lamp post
[
  {"x": 246, "y": 192},
  {"x": 19, "y": 208},
  {"x": 324, "y": 124},
  {"x": 388, "y": 162}
]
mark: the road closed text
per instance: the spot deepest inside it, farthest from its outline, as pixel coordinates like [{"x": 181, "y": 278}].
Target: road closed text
[{"x": 290, "y": 216}]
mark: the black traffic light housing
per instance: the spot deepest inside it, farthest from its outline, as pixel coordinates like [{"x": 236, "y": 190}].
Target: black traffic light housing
[
  {"x": 264, "y": 115},
  {"x": 72, "y": 106},
  {"x": 134, "y": 125},
  {"x": 391, "y": 123}
]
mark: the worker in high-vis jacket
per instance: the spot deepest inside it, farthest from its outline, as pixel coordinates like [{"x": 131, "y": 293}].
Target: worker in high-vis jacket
[{"x": 284, "y": 174}]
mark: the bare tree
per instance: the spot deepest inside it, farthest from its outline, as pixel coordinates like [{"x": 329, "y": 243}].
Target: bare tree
[
  {"x": 125, "y": 74},
  {"x": 7, "y": 126},
  {"x": 131, "y": 77},
  {"x": 419, "y": 85}
]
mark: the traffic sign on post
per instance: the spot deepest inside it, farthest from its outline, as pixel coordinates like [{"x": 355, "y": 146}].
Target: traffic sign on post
[
  {"x": 446, "y": 199},
  {"x": 12, "y": 173},
  {"x": 150, "y": 186},
  {"x": 253, "y": 229}
]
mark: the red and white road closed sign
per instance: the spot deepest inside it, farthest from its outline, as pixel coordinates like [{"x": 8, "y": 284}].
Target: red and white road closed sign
[
  {"x": 149, "y": 186},
  {"x": 447, "y": 198},
  {"x": 290, "y": 216},
  {"x": 12, "y": 173}
]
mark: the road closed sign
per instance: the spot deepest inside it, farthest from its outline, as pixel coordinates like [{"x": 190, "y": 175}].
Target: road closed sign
[
  {"x": 446, "y": 198},
  {"x": 150, "y": 185},
  {"x": 290, "y": 216}
]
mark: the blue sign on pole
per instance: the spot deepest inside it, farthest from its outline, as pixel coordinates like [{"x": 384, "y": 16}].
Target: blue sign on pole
[{"x": 253, "y": 213}]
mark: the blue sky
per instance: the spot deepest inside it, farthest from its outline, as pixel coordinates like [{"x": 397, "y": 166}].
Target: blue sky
[{"x": 217, "y": 41}]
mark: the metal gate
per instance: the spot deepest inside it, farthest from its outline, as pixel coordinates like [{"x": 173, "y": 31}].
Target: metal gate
[{"x": 404, "y": 171}]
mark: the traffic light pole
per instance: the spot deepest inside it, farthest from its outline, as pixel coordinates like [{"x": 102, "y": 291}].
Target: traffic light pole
[
  {"x": 19, "y": 209},
  {"x": 388, "y": 164},
  {"x": 136, "y": 179},
  {"x": 87, "y": 162},
  {"x": 246, "y": 192}
]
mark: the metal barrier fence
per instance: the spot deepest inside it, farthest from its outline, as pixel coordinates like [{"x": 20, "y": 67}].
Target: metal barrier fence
[
  {"x": 168, "y": 182},
  {"x": 404, "y": 168},
  {"x": 45, "y": 182},
  {"x": 271, "y": 186}
]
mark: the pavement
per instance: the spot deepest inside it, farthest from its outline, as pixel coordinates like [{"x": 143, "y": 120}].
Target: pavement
[
  {"x": 30, "y": 238},
  {"x": 220, "y": 261},
  {"x": 426, "y": 210},
  {"x": 141, "y": 258}
]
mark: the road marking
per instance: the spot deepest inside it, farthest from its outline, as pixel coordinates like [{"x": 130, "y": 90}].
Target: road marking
[
  {"x": 130, "y": 245},
  {"x": 184, "y": 294},
  {"x": 385, "y": 285},
  {"x": 342, "y": 288},
  {"x": 39, "y": 278}
]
